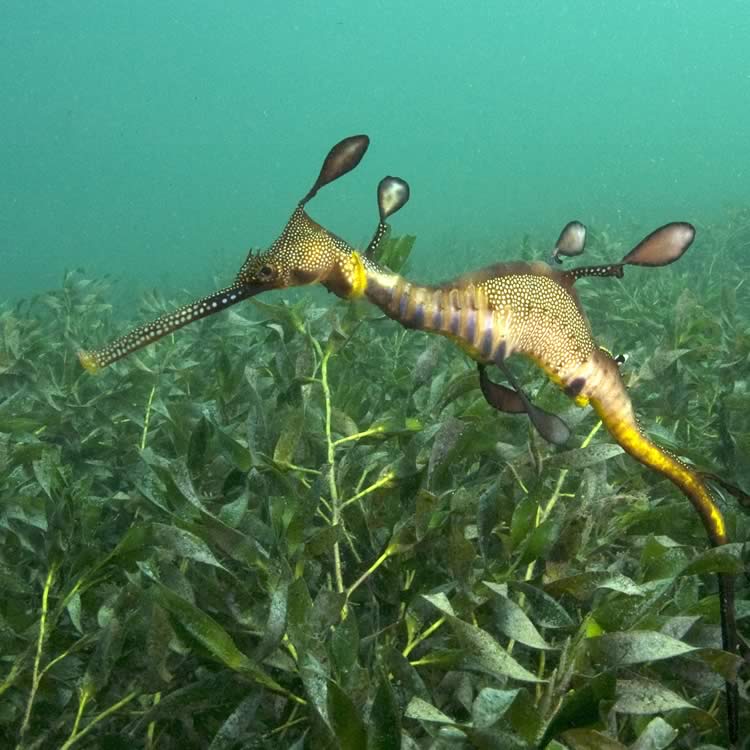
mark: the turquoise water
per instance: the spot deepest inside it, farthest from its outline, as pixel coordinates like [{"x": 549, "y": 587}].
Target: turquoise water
[
  {"x": 297, "y": 526},
  {"x": 158, "y": 141}
]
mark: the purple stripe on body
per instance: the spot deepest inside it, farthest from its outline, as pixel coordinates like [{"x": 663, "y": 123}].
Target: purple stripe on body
[
  {"x": 485, "y": 344},
  {"x": 454, "y": 322},
  {"x": 417, "y": 320},
  {"x": 403, "y": 304},
  {"x": 471, "y": 324}
]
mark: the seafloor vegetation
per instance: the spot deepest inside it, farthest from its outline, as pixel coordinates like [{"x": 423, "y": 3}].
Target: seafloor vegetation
[{"x": 301, "y": 526}]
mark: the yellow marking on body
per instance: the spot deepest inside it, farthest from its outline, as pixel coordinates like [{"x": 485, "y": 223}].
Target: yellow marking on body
[
  {"x": 579, "y": 400},
  {"x": 651, "y": 455},
  {"x": 718, "y": 521},
  {"x": 88, "y": 361},
  {"x": 358, "y": 276}
]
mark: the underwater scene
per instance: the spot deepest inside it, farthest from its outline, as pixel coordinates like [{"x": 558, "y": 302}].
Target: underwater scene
[{"x": 375, "y": 376}]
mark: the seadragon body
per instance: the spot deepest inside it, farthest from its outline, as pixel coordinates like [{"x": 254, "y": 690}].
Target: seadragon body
[{"x": 519, "y": 308}]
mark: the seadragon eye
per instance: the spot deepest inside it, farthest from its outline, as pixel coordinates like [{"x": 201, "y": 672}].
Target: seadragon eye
[{"x": 265, "y": 273}]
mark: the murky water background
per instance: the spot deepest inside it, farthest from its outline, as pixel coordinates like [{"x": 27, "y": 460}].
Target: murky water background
[{"x": 157, "y": 141}]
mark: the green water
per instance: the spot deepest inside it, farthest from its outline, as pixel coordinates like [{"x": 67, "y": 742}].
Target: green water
[
  {"x": 158, "y": 141},
  {"x": 299, "y": 525}
]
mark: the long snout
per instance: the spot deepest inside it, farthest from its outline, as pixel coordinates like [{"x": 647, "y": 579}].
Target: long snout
[{"x": 143, "y": 335}]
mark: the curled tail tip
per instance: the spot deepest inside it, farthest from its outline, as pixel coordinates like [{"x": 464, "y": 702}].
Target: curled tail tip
[{"x": 89, "y": 361}]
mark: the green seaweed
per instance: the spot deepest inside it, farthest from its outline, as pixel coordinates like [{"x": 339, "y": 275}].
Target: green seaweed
[{"x": 297, "y": 525}]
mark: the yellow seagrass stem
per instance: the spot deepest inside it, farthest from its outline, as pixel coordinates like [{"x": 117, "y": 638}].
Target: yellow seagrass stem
[
  {"x": 147, "y": 418},
  {"x": 331, "y": 458},
  {"x": 76, "y": 735},
  {"x": 37, "y": 675},
  {"x": 542, "y": 515}
]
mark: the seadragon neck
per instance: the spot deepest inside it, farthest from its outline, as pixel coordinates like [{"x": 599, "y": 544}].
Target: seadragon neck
[{"x": 459, "y": 312}]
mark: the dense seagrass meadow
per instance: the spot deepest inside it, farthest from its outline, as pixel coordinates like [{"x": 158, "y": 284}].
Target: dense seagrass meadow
[{"x": 296, "y": 524}]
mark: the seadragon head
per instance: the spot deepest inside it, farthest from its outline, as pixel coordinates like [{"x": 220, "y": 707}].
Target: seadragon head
[{"x": 304, "y": 253}]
